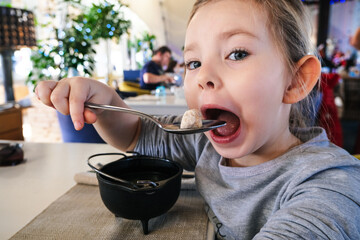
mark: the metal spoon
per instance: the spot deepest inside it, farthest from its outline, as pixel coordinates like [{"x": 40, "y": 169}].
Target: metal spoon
[{"x": 168, "y": 127}]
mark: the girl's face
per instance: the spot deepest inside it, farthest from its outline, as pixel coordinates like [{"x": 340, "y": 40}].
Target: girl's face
[{"x": 235, "y": 73}]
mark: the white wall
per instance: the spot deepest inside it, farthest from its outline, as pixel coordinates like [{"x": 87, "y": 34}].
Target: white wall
[
  {"x": 344, "y": 19},
  {"x": 167, "y": 20},
  {"x": 150, "y": 12},
  {"x": 176, "y": 17}
]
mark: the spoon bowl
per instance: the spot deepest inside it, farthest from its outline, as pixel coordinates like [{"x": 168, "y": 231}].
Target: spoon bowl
[{"x": 168, "y": 127}]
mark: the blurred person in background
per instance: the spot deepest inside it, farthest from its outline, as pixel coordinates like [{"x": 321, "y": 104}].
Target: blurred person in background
[{"x": 152, "y": 74}]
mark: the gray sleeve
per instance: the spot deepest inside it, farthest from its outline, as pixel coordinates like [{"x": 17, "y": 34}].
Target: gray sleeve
[
  {"x": 326, "y": 206},
  {"x": 184, "y": 149}
]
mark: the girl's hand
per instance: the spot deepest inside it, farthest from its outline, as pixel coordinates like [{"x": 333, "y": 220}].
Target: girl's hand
[{"x": 68, "y": 96}]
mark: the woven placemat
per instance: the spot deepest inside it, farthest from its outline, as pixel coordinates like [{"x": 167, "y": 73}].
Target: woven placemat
[{"x": 81, "y": 214}]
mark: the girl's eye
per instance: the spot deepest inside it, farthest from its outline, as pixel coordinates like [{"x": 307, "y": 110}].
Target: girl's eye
[
  {"x": 238, "y": 55},
  {"x": 193, "y": 64}
]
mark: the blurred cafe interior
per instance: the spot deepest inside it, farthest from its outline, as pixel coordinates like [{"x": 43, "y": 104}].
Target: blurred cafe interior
[
  {"x": 142, "y": 26},
  {"x": 45, "y": 183}
]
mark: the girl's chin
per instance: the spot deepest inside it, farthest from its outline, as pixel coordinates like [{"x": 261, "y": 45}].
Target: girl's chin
[
  {"x": 227, "y": 148},
  {"x": 228, "y": 153}
]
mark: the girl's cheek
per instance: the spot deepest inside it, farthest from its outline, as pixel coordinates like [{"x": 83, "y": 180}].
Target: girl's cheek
[
  {"x": 190, "y": 98},
  {"x": 190, "y": 91},
  {"x": 187, "y": 88}
]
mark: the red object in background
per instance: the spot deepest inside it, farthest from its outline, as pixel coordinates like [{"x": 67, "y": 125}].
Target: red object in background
[{"x": 328, "y": 114}]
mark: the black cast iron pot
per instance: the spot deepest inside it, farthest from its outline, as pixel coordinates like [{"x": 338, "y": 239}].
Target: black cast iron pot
[{"x": 138, "y": 187}]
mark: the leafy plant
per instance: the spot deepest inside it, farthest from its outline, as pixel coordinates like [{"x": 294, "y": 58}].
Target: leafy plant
[
  {"x": 144, "y": 45},
  {"x": 5, "y": 4},
  {"x": 104, "y": 21},
  {"x": 42, "y": 61},
  {"x": 72, "y": 47},
  {"x": 53, "y": 61}
]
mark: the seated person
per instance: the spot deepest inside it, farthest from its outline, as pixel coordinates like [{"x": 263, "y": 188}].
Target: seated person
[
  {"x": 176, "y": 70},
  {"x": 171, "y": 66},
  {"x": 152, "y": 74}
]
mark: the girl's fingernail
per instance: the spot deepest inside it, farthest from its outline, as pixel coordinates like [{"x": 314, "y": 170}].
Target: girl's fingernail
[{"x": 77, "y": 125}]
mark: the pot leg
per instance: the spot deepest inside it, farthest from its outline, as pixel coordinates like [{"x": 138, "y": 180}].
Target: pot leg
[{"x": 144, "y": 224}]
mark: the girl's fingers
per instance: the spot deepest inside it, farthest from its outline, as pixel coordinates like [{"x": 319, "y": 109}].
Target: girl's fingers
[
  {"x": 59, "y": 97},
  {"x": 78, "y": 95},
  {"x": 89, "y": 116},
  {"x": 43, "y": 91},
  {"x": 69, "y": 95}
]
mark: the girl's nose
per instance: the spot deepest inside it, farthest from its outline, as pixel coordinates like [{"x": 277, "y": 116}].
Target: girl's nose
[{"x": 208, "y": 79}]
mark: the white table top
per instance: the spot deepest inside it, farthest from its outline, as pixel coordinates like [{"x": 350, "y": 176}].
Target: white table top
[
  {"x": 150, "y": 104},
  {"x": 29, "y": 188}
]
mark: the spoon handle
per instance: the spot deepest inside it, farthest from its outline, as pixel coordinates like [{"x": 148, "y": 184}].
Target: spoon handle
[{"x": 121, "y": 109}]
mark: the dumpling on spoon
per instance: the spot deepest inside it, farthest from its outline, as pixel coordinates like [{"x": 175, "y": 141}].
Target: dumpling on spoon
[{"x": 191, "y": 119}]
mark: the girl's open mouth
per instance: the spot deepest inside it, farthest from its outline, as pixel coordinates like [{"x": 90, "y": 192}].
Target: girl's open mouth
[{"x": 227, "y": 133}]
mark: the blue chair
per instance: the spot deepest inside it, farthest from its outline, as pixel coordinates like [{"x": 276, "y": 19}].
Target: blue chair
[
  {"x": 131, "y": 84},
  {"x": 132, "y": 76},
  {"x": 86, "y": 135}
]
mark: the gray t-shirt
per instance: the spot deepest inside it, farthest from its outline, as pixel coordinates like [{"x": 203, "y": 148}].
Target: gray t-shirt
[{"x": 310, "y": 192}]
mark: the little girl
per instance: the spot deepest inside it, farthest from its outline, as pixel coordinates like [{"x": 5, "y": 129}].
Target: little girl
[{"x": 263, "y": 175}]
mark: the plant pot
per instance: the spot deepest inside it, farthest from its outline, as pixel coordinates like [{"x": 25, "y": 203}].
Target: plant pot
[{"x": 86, "y": 135}]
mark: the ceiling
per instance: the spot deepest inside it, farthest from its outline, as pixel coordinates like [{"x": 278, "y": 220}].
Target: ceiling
[
  {"x": 166, "y": 19},
  {"x": 176, "y": 15}
]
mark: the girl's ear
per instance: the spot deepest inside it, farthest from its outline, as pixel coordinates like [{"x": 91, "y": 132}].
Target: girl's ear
[{"x": 307, "y": 75}]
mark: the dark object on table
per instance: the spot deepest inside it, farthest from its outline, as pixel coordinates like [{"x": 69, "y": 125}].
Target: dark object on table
[
  {"x": 11, "y": 154},
  {"x": 147, "y": 187}
]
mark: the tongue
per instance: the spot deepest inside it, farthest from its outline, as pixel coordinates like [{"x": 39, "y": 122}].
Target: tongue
[{"x": 232, "y": 124}]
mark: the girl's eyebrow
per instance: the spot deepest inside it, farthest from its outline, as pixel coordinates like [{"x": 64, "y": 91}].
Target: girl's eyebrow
[
  {"x": 225, "y": 35},
  {"x": 189, "y": 48},
  {"x": 229, "y": 33}
]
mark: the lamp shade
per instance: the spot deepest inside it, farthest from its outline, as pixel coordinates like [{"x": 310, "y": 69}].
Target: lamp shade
[{"x": 16, "y": 28}]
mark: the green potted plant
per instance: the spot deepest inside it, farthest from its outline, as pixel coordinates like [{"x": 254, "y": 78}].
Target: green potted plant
[
  {"x": 105, "y": 21},
  {"x": 70, "y": 51},
  {"x": 66, "y": 49},
  {"x": 145, "y": 45}
]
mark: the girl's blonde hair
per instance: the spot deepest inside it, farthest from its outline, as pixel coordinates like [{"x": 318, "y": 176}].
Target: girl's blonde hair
[{"x": 290, "y": 28}]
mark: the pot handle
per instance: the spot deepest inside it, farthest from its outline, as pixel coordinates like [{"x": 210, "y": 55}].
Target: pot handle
[{"x": 139, "y": 184}]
